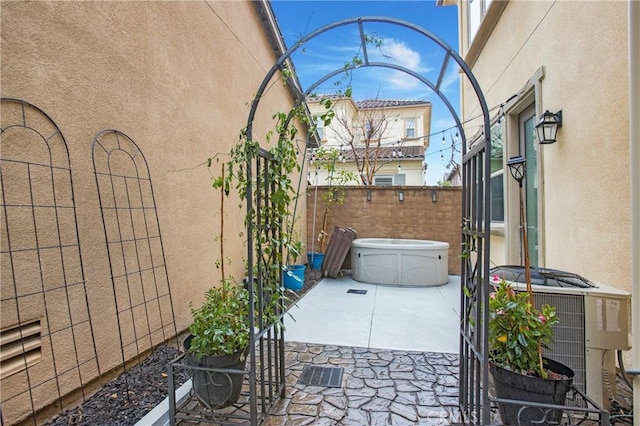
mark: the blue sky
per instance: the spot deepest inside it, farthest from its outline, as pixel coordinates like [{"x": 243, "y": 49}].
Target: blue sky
[{"x": 400, "y": 46}]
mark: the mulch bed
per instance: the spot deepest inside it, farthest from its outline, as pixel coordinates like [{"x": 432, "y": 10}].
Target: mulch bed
[{"x": 129, "y": 397}]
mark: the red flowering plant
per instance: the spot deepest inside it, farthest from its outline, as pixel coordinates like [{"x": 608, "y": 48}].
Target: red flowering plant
[{"x": 517, "y": 330}]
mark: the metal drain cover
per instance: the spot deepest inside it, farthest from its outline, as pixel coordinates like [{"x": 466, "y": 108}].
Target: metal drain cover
[
  {"x": 353, "y": 291},
  {"x": 330, "y": 377}
]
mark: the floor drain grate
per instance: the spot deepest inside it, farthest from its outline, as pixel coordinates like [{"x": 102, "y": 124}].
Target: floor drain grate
[
  {"x": 321, "y": 376},
  {"x": 352, "y": 291}
]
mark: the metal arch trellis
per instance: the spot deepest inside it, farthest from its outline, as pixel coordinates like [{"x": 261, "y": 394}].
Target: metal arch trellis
[
  {"x": 141, "y": 291},
  {"x": 474, "y": 399},
  {"x": 40, "y": 233}
]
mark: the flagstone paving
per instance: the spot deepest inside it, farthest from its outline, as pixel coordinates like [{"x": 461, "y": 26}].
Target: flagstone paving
[{"x": 379, "y": 387}]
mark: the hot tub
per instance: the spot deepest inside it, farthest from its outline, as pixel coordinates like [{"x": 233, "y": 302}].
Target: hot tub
[{"x": 418, "y": 263}]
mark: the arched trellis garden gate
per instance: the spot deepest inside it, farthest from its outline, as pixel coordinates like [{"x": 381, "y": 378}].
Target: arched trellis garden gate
[{"x": 474, "y": 396}]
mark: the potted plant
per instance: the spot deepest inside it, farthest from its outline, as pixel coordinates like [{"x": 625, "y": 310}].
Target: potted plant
[
  {"x": 221, "y": 332},
  {"x": 293, "y": 273},
  {"x": 517, "y": 334},
  {"x": 219, "y": 339}
]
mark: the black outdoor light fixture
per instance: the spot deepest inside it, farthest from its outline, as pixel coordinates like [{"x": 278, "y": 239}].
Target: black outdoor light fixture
[
  {"x": 517, "y": 168},
  {"x": 547, "y": 128}
]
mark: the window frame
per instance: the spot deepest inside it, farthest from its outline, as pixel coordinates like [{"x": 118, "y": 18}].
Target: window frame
[
  {"x": 320, "y": 129},
  {"x": 393, "y": 177},
  {"x": 408, "y": 121},
  {"x": 498, "y": 173}
]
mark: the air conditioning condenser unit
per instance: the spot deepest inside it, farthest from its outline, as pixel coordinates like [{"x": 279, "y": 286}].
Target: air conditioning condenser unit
[{"x": 594, "y": 323}]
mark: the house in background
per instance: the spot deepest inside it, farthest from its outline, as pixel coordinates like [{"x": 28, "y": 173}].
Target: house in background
[
  {"x": 382, "y": 141},
  {"x": 569, "y": 59},
  {"x": 454, "y": 176}
]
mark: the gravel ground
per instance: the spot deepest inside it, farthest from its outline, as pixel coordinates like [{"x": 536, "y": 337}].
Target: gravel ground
[{"x": 146, "y": 385}]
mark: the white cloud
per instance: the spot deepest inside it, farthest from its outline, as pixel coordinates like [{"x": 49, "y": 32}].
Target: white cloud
[
  {"x": 398, "y": 53},
  {"x": 320, "y": 58}
]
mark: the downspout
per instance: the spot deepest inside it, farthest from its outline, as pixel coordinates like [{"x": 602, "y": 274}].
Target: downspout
[{"x": 634, "y": 142}]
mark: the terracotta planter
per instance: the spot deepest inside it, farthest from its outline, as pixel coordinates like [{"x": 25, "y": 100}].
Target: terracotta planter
[
  {"x": 216, "y": 389},
  {"x": 515, "y": 386}
]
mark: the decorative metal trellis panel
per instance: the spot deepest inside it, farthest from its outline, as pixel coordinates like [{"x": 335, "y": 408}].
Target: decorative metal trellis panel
[
  {"x": 474, "y": 396},
  {"x": 474, "y": 362},
  {"x": 137, "y": 264},
  {"x": 265, "y": 375},
  {"x": 48, "y": 346}
]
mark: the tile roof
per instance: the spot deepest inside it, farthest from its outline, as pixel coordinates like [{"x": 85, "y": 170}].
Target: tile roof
[
  {"x": 389, "y": 103},
  {"x": 373, "y": 103},
  {"x": 385, "y": 153}
]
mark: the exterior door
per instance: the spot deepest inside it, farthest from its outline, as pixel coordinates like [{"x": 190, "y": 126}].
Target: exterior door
[{"x": 529, "y": 149}]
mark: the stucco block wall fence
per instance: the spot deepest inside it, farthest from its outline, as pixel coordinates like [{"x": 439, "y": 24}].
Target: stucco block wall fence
[{"x": 385, "y": 216}]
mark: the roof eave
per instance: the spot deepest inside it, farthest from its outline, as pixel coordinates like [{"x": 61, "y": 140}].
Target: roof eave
[{"x": 270, "y": 24}]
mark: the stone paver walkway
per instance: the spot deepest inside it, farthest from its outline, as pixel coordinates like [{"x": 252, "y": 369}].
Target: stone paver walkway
[{"x": 379, "y": 387}]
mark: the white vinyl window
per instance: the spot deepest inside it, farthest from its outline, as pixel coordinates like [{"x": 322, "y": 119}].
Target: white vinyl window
[
  {"x": 474, "y": 17},
  {"x": 320, "y": 128},
  {"x": 386, "y": 180},
  {"x": 497, "y": 172},
  {"x": 390, "y": 180},
  {"x": 410, "y": 127},
  {"x": 476, "y": 10}
]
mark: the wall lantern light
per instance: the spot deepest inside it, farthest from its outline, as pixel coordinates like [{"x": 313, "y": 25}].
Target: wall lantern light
[
  {"x": 434, "y": 196},
  {"x": 368, "y": 195},
  {"x": 401, "y": 195},
  {"x": 547, "y": 128},
  {"x": 517, "y": 168}
]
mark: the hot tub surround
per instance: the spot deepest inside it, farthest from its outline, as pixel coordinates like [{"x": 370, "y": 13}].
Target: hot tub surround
[{"x": 420, "y": 263}]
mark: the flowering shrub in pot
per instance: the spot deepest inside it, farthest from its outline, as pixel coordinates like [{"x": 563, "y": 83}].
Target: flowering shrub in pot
[{"x": 518, "y": 332}]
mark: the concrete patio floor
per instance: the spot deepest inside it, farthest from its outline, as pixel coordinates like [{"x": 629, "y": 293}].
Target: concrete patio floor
[{"x": 386, "y": 317}]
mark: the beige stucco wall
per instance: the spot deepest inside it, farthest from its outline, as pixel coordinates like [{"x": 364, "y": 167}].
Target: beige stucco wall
[
  {"x": 411, "y": 168},
  {"x": 176, "y": 77},
  {"x": 581, "y": 49}
]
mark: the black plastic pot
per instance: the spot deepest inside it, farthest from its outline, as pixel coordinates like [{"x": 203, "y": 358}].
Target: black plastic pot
[
  {"x": 216, "y": 389},
  {"x": 515, "y": 386}
]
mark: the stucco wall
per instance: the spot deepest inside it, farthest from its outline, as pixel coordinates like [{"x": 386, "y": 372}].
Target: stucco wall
[
  {"x": 385, "y": 216},
  {"x": 581, "y": 49},
  {"x": 176, "y": 77}
]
